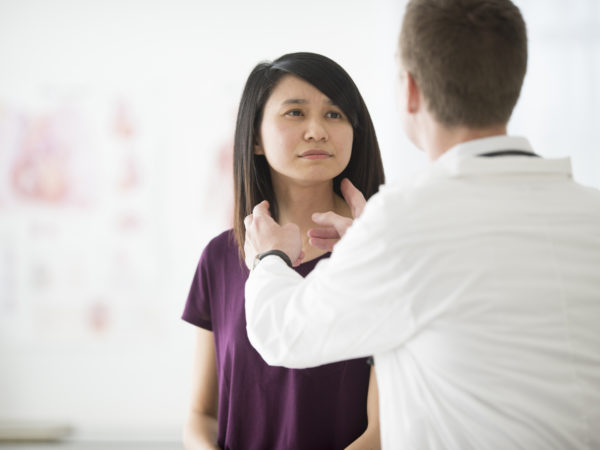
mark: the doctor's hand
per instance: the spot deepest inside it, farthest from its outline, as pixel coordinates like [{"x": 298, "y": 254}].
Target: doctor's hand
[
  {"x": 264, "y": 234},
  {"x": 332, "y": 225}
]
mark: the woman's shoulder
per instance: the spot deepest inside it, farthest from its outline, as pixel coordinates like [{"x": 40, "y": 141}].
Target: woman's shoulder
[
  {"x": 222, "y": 247},
  {"x": 222, "y": 241}
]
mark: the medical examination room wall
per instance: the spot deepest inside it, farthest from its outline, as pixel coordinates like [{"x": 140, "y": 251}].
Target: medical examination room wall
[{"x": 116, "y": 126}]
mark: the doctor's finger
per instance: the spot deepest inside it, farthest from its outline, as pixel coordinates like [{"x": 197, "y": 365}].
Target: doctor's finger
[
  {"x": 248, "y": 221},
  {"x": 262, "y": 209},
  {"x": 323, "y": 233},
  {"x": 355, "y": 199},
  {"x": 323, "y": 244},
  {"x": 331, "y": 219}
]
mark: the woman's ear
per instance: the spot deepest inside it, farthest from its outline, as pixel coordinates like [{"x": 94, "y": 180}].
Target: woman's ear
[{"x": 258, "y": 150}]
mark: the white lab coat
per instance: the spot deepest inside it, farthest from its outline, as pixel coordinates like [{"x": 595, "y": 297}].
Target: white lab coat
[{"x": 476, "y": 286}]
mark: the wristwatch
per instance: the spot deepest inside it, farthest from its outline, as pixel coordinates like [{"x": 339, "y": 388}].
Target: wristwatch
[{"x": 279, "y": 253}]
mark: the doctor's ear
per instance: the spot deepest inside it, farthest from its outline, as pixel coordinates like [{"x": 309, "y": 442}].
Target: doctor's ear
[{"x": 412, "y": 93}]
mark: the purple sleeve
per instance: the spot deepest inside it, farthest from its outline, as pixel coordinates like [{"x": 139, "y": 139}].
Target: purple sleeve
[{"x": 197, "y": 307}]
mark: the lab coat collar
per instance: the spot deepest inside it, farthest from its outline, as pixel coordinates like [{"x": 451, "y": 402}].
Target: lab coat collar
[{"x": 463, "y": 159}]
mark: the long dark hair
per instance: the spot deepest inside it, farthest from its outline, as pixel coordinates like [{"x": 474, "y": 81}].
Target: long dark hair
[{"x": 251, "y": 175}]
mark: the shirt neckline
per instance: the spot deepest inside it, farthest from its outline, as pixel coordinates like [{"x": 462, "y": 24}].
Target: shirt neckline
[
  {"x": 485, "y": 145},
  {"x": 462, "y": 159},
  {"x": 315, "y": 260}
]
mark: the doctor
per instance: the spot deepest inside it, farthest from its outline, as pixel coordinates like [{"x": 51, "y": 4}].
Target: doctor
[{"x": 476, "y": 284}]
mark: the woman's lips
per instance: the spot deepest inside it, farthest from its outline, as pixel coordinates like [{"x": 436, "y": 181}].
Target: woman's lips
[{"x": 315, "y": 154}]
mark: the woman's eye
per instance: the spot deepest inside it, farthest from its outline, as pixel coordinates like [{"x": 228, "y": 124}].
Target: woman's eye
[
  {"x": 334, "y": 115},
  {"x": 294, "y": 113}
]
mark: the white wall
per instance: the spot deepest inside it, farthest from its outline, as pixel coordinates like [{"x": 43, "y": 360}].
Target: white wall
[
  {"x": 134, "y": 103},
  {"x": 559, "y": 109},
  {"x": 97, "y": 273}
]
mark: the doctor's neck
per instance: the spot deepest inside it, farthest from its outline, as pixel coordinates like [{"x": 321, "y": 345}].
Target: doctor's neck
[{"x": 436, "y": 139}]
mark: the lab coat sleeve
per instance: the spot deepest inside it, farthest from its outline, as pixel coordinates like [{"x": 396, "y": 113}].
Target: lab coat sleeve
[{"x": 347, "y": 307}]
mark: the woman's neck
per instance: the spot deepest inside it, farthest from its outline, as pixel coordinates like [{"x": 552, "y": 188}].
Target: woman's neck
[{"x": 296, "y": 204}]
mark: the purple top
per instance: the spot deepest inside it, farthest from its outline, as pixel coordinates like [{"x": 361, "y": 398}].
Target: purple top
[{"x": 263, "y": 407}]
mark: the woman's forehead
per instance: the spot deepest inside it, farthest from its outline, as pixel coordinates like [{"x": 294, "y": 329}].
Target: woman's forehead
[{"x": 294, "y": 90}]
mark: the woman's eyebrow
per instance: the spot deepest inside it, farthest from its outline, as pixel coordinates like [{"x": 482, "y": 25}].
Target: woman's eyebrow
[
  {"x": 294, "y": 101},
  {"x": 301, "y": 101}
]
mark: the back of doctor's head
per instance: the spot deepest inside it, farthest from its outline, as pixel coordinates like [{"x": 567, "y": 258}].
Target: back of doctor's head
[{"x": 468, "y": 57}]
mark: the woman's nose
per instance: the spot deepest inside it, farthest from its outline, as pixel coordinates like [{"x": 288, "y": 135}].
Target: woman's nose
[{"x": 315, "y": 130}]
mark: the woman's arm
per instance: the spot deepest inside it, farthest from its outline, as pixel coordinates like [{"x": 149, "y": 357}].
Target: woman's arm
[
  {"x": 200, "y": 430},
  {"x": 370, "y": 439}
]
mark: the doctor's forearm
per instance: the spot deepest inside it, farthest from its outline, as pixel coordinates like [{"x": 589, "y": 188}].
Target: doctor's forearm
[{"x": 273, "y": 329}]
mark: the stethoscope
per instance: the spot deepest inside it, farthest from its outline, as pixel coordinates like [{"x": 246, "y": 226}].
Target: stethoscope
[{"x": 509, "y": 153}]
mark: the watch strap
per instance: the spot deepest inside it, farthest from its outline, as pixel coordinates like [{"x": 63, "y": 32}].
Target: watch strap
[{"x": 279, "y": 253}]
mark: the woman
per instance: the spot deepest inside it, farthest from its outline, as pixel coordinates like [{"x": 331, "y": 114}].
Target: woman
[{"x": 302, "y": 127}]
